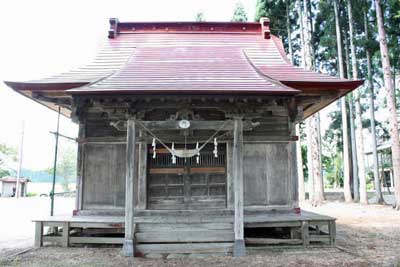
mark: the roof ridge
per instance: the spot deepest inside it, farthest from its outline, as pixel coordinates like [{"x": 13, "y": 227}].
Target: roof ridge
[{"x": 117, "y": 27}]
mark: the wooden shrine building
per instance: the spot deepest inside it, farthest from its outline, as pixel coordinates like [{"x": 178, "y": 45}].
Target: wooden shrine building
[{"x": 187, "y": 140}]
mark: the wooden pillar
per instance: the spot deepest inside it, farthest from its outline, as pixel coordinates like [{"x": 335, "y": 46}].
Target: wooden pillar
[
  {"x": 229, "y": 179},
  {"x": 305, "y": 233},
  {"x": 80, "y": 164},
  {"x": 332, "y": 232},
  {"x": 142, "y": 173},
  {"x": 38, "y": 234},
  {"x": 128, "y": 248},
  {"x": 237, "y": 162},
  {"x": 65, "y": 234}
]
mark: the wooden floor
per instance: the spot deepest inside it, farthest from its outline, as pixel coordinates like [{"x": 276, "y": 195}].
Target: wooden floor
[{"x": 185, "y": 232}]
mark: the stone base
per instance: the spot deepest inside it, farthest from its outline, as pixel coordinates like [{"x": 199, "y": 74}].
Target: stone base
[
  {"x": 239, "y": 248},
  {"x": 128, "y": 249}
]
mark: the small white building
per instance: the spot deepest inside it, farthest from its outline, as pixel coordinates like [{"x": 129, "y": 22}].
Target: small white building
[{"x": 8, "y": 185}]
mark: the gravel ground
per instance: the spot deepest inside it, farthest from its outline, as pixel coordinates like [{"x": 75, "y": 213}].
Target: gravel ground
[{"x": 366, "y": 236}]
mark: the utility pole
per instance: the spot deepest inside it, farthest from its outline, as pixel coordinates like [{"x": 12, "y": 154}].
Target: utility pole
[{"x": 20, "y": 153}]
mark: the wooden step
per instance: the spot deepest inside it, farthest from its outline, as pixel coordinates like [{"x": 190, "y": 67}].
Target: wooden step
[
  {"x": 185, "y": 248},
  {"x": 185, "y": 236},
  {"x": 151, "y": 227}
]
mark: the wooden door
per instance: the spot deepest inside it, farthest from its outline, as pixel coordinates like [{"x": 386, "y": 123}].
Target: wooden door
[{"x": 187, "y": 184}]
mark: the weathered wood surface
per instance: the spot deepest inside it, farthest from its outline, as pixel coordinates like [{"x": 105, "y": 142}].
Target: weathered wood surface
[
  {"x": 96, "y": 240},
  {"x": 184, "y": 236},
  {"x": 239, "y": 246},
  {"x": 104, "y": 172},
  {"x": 267, "y": 175},
  {"x": 38, "y": 234},
  {"x": 80, "y": 169},
  {"x": 305, "y": 235},
  {"x": 186, "y": 227},
  {"x": 128, "y": 248},
  {"x": 142, "y": 174},
  {"x": 272, "y": 241},
  {"x": 190, "y": 216},
  {"x": 185, "y": 248},
  {"x": 65, "y": 234},
  {"x": 150, "y": 227}
]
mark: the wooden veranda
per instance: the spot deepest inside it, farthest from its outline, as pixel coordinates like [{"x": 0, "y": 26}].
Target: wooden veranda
[{"x": 161, "y": 232}]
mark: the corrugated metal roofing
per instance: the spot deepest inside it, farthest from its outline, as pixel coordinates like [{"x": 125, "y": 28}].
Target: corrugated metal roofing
[
  {"x": 189, "y": 58},
  {"x": 188, "y": 63}
]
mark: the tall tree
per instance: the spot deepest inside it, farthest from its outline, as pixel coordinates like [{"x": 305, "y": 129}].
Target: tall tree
[
  {"x": 300, "y": 173},
  {"x": 391, "y": 101},
  {"x": 313, "y": 134},
  {"x": 302, "y": 41},
  {"x": 349, "y": 99},
  {"x": 199, "y": 17},
  {"x": 239, "y": 14},
  {"x": 289, "y": 32},
  {"x": 375, "y": 165},
  {"x": 360, "y": 140},
  {"x": 346, "y": 158}
]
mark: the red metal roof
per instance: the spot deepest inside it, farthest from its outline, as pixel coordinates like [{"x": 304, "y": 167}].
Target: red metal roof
[{"x": 190, "y": 57}]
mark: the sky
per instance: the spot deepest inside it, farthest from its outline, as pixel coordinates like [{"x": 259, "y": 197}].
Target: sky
[{"x": 45, "y": 37}]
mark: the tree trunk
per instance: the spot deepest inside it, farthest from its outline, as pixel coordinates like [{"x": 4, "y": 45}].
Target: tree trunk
[
  {"x": 312, "y": 125},
  {"x": 359, "y": 134},
  {"x": 318, "y": 196},
  {"x": 378, "y": 191},
  {"x": 349, "y": 99},
  {"x": 289, "y": 32},
  {"x": 310, "y": 167},
  {"x": 300, "y": 174},
  {"x": 346, "y": 159},
  {"x": 308, "y": 51},
  {"x": 391, "y": 101},
  {"x": 300, "y": 14}
]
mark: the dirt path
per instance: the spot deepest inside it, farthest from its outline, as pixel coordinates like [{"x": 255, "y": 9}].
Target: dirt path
[{"x": 367, "y": 236}]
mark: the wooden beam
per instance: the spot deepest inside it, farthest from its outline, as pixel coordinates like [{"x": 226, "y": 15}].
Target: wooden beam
[
  {"x": 128, "y": 247},
  {"x": 239, "y": 245},
  {"x": 194, "y": 125}
]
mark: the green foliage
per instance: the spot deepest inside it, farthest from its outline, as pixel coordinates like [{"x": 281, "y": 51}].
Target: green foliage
[
  {"x": 7, "y": 154},
  {"x": 239, "y": 15},
  {"x": 199, "y": 17},
  {"x": 31, "y": 194},
  {"x": 66, "y": 166},
  {"x": 274, "y": 10}
]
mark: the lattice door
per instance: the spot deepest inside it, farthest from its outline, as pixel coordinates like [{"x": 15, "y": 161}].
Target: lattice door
[{"x": 186, "y": 184}]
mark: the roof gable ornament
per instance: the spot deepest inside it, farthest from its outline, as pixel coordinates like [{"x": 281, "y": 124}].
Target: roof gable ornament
[
  {"x": 265, "y": 30},
  {"x": 113, "y": 31}
]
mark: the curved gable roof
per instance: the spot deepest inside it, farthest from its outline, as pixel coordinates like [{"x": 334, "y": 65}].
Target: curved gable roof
[{"x": 189, "y": 58}]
